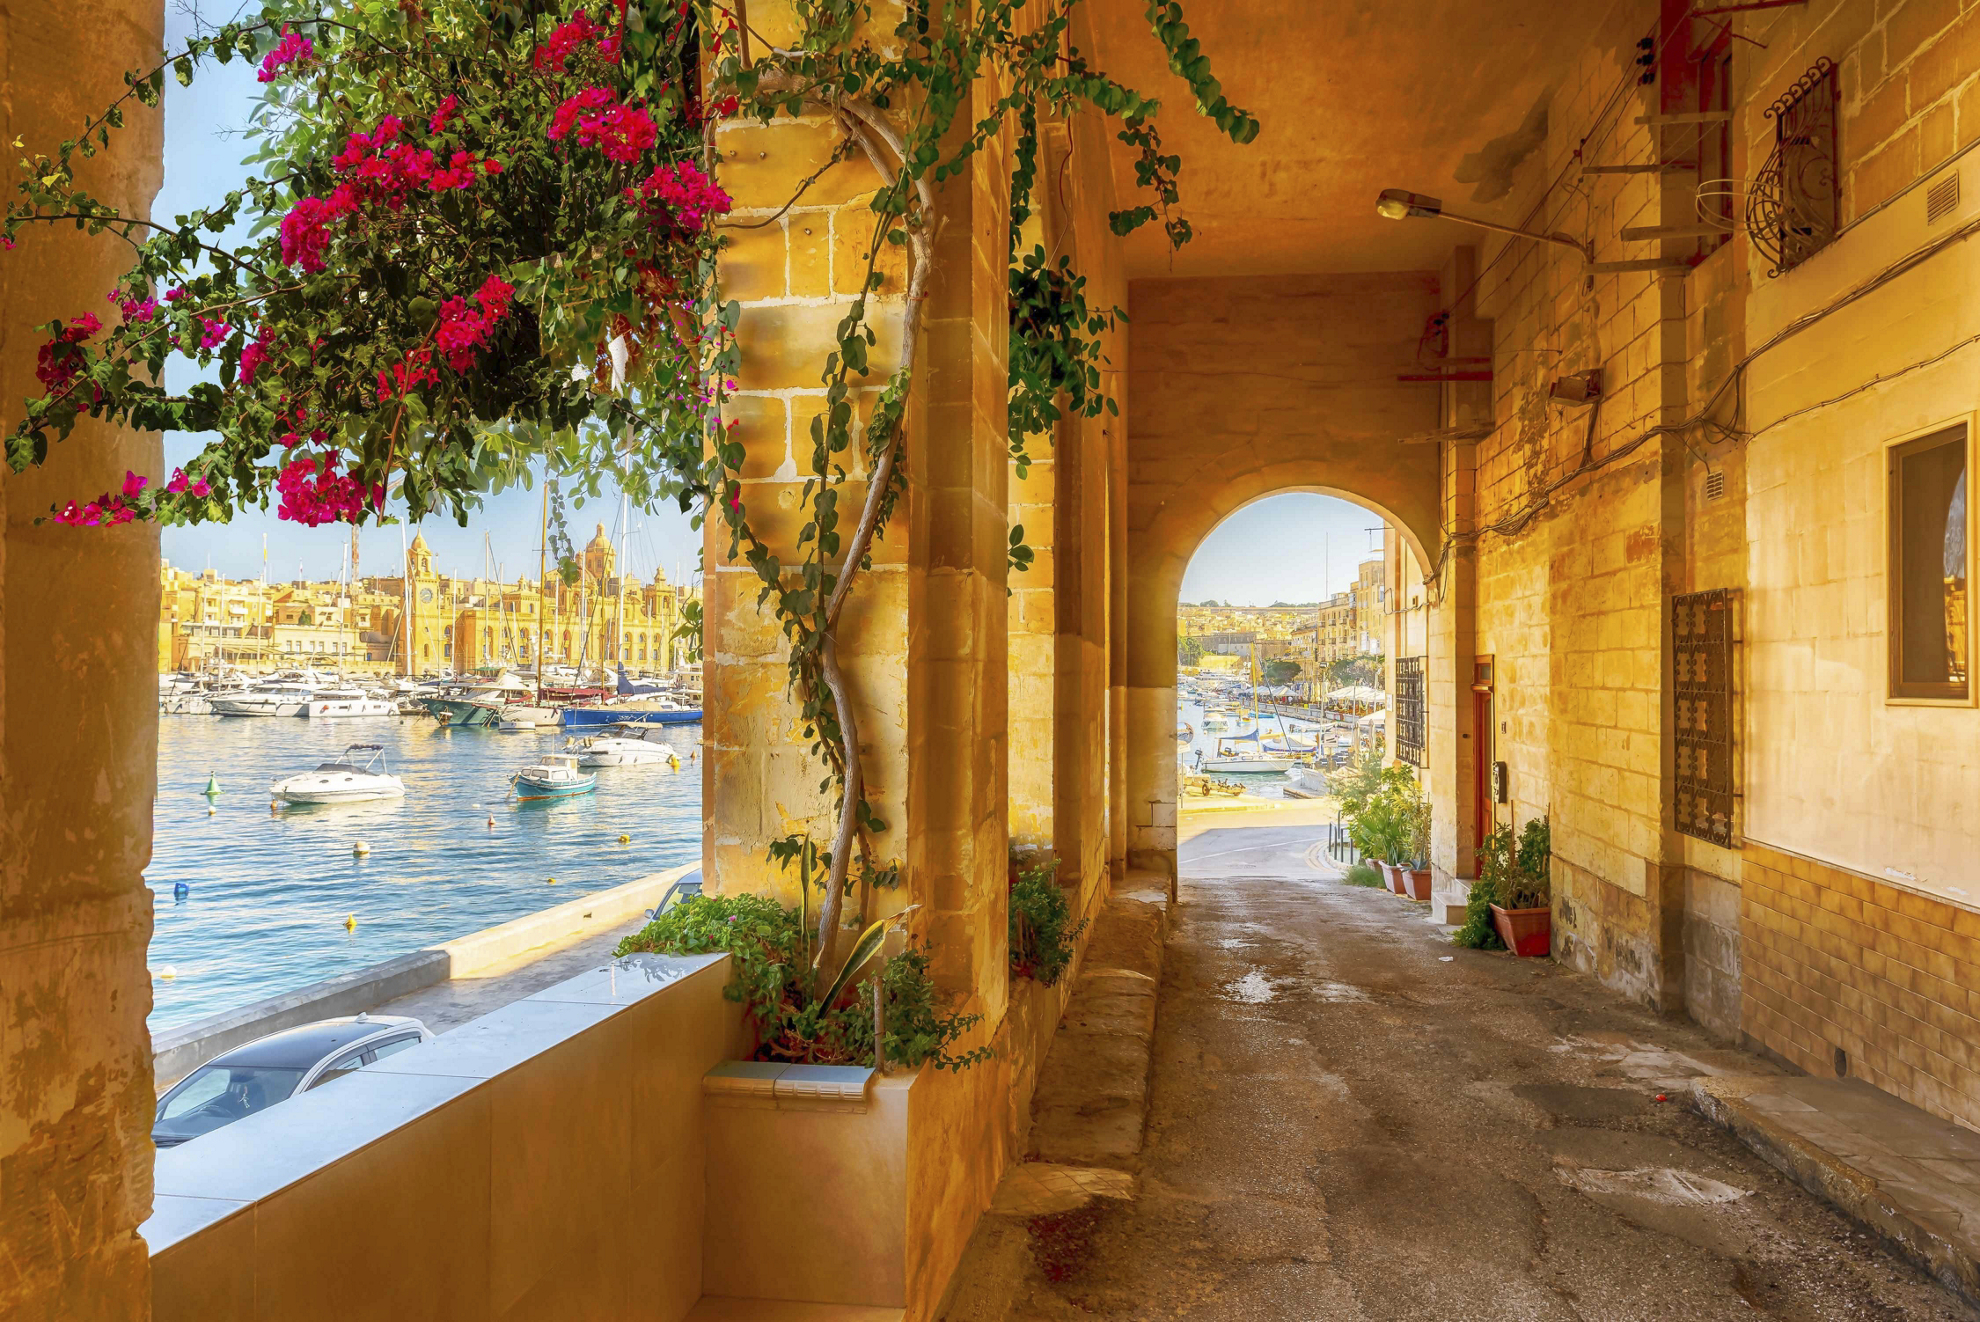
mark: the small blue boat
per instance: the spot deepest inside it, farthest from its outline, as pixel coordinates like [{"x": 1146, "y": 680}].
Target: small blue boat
[{"x": 558, "y": 776}]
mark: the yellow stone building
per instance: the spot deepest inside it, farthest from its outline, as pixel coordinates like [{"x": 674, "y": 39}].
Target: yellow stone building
[{"x": 462, "y": 626}]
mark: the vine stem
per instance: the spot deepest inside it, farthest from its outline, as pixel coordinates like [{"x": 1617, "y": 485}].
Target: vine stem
[{"x": 866, "y": 124}]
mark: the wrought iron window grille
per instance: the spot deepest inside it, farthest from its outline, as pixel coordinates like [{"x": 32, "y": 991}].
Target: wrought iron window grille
[
  {"x": 1704, "y": 790},
  {"x": 1794, "y": 207},
  {"x": 1409, "y": 711}
]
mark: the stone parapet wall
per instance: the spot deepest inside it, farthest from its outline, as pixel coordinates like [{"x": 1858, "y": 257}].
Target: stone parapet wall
[{"x": 1834, "y": 959}]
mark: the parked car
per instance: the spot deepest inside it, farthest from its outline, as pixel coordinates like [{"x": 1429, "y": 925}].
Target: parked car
[{"x": 258, "y": 1074}]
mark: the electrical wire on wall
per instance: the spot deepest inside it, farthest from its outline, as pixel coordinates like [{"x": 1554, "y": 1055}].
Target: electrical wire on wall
[{"x": 1732, "y": 384}]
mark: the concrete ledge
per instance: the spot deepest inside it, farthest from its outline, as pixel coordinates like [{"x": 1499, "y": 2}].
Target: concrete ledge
[
  {"x": 176, "y": 1052},
  {"x": 1909, "y": 1176}
]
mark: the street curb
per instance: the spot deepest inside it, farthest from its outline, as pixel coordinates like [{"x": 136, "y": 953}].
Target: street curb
[{"x": 1722, "y": 1099}]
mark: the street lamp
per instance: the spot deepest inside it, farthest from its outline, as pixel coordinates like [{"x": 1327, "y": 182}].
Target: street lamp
[{"x": 1401, "y": 204}]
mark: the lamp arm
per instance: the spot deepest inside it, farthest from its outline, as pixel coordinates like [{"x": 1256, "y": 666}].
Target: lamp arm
[{"x": 1564, "y": 240}]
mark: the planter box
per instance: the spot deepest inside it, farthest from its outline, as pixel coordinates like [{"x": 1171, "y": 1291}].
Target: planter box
[
  {"x": 1525, "y": 931},
  {"x": 892, "y": 1164},
  {"x": 1418, "y": 880}
]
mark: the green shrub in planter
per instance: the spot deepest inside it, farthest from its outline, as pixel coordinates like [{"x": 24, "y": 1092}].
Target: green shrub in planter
[
  {"x": 767, "y": 946},
  {"x": 1041, "y": 941},
  {"x": 1513, "y": 873}
]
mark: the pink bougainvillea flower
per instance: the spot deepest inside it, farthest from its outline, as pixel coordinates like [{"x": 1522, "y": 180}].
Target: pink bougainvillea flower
[
  {"x": 491, "y": 167},
  {"x": 466, "y": 329},
  {"x": 175, "y": 293},
  {"x": 254, "y": 354},
  {"x": 314, "y": 492},
  {"x": 681, "y": 194},
  {"x": 442, "y": 113},
  {"x": 133, "y": 483},
  {"x": 291, "y": 49},
  {"x": 213, "y": 331},
  {"x": 569, "y": 35},
  {"x": 56, "y": 363},
  {"x": 574, "y": 109}
]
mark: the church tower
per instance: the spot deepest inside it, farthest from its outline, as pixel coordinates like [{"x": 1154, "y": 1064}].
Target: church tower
[{"x": 601, "y": 562}]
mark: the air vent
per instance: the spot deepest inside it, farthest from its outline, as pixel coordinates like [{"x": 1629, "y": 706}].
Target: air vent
[
  {"x": 1715, "y": 484},
  {"x": 1942, "y": 199}
]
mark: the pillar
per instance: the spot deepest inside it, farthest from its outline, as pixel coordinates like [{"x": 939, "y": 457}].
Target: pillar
[{"x": 79, "y": 611}]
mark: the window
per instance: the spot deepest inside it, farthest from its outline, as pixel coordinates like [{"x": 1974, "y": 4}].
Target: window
[
  {"x": 1930, "y": 555},
  {"x": 392, "y": 1047},
  {"x": 348, "y": 1063}
]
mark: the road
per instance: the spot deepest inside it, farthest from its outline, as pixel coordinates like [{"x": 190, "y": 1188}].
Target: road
[{"x": 1352, "y": 1120}]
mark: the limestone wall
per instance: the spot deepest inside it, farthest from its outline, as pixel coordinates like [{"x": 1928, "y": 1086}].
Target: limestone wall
[
  {"x": 1241, "y": 389},
  {"x": 78, "y": 732}
]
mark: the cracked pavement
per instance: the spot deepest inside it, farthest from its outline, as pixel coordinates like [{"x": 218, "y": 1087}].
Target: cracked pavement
[{"x": 1350, "y": 1119}]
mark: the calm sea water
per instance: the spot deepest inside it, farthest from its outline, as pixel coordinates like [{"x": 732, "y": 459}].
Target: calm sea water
[
  {"x": 271, "y": 890},
  {"x": 1268, "y": 784}
]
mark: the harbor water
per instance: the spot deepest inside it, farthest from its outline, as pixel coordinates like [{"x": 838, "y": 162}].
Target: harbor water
[{"x": 269, "y": 892}]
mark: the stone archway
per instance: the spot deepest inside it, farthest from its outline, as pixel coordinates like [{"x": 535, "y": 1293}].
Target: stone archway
[{"x": 1240, "y": 389}]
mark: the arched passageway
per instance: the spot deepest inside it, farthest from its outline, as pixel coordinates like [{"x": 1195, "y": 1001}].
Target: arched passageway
[{"x": 1241, "y": 389}]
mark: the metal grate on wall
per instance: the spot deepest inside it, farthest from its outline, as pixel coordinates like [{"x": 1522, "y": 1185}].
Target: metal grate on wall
[
  {"x": 1794, "y": 207},
  {"x": 1409, "y": 711},
  {"x": 1703, "y": 637}
]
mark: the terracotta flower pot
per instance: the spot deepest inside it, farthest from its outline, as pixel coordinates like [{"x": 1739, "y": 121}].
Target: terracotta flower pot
[
  {"x": 1419, "y": 883},
  {"x": 1389, "y": 878},
  {"x": 1525, "y": 931}
]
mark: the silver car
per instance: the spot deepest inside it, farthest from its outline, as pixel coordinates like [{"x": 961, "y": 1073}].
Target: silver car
[{"x": 258, "y": 1074}]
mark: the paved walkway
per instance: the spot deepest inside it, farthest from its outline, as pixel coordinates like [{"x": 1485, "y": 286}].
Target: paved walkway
[
  {"x": 1349, "y": 1119},
  {"x": 454, "y": 1002}
]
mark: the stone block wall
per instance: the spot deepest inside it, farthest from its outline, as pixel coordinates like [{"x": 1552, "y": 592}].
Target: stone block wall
[
  {"x": 1835, "y": 960},
  {"x": 78, "y": 726}
]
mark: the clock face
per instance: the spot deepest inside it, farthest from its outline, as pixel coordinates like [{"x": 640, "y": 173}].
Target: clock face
[{"x": 426, "y": 594}]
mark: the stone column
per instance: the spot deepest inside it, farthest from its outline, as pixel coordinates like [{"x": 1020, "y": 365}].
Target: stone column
[
  {"x": 1452, "y": 751},
  {"x": 922, "y": 638},
  {"x": 79, "y": 613}
]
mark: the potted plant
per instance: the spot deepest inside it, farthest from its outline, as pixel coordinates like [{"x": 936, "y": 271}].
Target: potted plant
[
  {"x": 1417, "y": 873},
  {"x": 1510, "y": 903}
]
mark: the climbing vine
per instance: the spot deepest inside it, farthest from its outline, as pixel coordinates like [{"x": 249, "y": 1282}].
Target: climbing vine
[{"x": 486, "y": 236}]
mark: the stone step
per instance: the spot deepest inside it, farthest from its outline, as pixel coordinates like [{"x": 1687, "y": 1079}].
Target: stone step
[{"x": 1907, "y": 1175}]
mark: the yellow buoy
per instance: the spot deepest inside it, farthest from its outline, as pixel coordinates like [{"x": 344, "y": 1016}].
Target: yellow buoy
[
  {"x": 350, "y": 923},
  {"x": 549, "y": 881},
  {"x": 360, "y": 848},
  {"x": 274, "y": 805},
  {"x": 625, "y": 839}
]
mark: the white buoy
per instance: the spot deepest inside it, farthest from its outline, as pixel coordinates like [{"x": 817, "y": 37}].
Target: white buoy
[
  {"x": 360, "y": 848},
  {"x": 491, "y": 819},
  {"x": 169, "y": 972},
  {"x": 210, "y": 811}
]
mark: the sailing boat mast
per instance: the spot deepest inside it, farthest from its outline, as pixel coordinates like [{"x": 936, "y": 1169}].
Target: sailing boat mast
[
  {"x": 625, "y": 534},
  {"x": 542, "y": 582}
]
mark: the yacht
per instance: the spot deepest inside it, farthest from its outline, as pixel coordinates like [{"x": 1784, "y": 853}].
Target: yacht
[
  {"x": 359, "y": 775},
  {"x": 286, "y": 694},
  {"x": 480, "y": 704},
  {"x": 620, "y": 746},
  {"x": 522, "y": 716},
  {"x": 336, "y": 703},
  {"x": 1228, "y": 758}
]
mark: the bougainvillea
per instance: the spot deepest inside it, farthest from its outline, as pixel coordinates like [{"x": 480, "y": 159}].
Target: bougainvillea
[{"x": 485, "y": 236}]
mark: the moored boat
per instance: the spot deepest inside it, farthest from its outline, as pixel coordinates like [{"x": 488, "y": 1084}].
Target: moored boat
[
  {"x": 557, "y": 776},
  {"x": 333, "y": 704},
  {"x": 621, "y": 746},
  {"x": 356, "y": 777}
]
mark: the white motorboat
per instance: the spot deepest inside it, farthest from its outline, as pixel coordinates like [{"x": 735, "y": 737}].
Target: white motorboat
[
  {"x": 1305, "y": 783},
  {"x": 359, "y": 775},
  {"x": 622, "y": 746},
  {"x": 266, "y": 700},
  {"x": 334, "y": 704}
]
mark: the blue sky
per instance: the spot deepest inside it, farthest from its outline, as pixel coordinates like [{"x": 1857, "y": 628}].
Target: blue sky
[
  {"x": 1282, "y": 548},
  {"x": 203, "y": 151}
]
